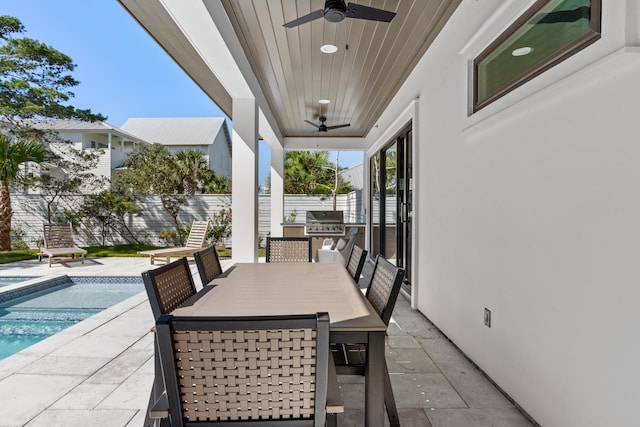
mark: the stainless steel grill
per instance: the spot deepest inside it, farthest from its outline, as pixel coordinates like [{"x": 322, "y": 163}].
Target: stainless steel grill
[{"x": 324, "y": 223}]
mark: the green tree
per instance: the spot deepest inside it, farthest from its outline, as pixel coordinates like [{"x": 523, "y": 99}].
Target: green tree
[
  {"x": 35, "y": 84},
  {"x": 217, "y": 185},
  {"x": 220, "y": 226},
  {"x": 193, "y": 169},
  {"x": 152, "y": 170},
  {"x": 107, "y": 210},
  {"x": 391, "y": 161},
  {"x": 72, "y": 173},
  {"x": 12, "y": 155},
  {"x": 311, "y": 172}
]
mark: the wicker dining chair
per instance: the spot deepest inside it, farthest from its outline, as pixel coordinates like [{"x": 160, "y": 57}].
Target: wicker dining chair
[
  {"x": 288, "y": 249},
  {"x": 367, "y": 273},
  {"x": 240, "y": 371},
  {"x": 356, "y": 261},
  {"x": 208, "y": 264},
  {"x": 382, "y": 293},
  {"x": 167, "y": 287}
]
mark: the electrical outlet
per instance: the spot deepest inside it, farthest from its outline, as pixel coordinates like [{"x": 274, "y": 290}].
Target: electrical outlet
[{"x": 487, "y": 317}]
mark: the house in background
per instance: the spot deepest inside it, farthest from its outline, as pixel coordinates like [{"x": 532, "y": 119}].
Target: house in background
[
  {"x": 209, "y": 135},
  {"x": 114, "y": 142},
  {"x": 354, "y": 176}
]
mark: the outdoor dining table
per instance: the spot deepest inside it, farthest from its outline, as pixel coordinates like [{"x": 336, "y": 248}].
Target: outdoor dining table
[{"x": 260, "y": 289}]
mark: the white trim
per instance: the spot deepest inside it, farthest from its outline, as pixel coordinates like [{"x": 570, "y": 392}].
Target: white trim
[
  {"x": 517, "y": 102},
  {"x": 408, "y": 115}
]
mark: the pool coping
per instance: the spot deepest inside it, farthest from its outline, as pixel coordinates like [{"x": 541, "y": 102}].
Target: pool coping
[
  {"x": 37, "y": 284},
  {"x": 30, "y": 286}
]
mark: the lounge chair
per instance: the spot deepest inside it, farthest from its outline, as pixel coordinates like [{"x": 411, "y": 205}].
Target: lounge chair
[
  {"x": 195, "y": 242},
  {"x": 58, "y": 241}
]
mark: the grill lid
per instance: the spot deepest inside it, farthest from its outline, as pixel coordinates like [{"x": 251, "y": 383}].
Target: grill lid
[{"x": 327, "y": 217}]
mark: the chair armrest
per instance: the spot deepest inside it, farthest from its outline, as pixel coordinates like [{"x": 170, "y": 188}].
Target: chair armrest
[
  {"x": 335, "y": 404},
  {"x": 327, "y": 243},
  {"x": 325, "y": 255},
  {"x": 160, "y": 409}
]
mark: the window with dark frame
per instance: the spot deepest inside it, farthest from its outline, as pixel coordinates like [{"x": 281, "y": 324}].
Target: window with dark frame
[{"x": 545, "y": 35}]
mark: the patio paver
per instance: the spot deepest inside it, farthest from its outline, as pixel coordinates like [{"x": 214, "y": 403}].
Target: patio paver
[{"x": 99, "y": 371}]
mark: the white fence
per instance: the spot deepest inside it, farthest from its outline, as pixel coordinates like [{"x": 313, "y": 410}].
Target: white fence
[{"x": 29, "y": 213}]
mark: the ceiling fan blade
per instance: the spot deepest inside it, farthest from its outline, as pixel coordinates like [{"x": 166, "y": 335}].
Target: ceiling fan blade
[
  {"x": 304, "y": 19},
  {"x": 338, "y": 126},
  {"x": 359, "y": 11},
  {"x": 311, "y": 123}
]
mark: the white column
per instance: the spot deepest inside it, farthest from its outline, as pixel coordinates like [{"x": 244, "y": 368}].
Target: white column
[
  {"x": 244, "y": 180},
  {"x": 277, "y": 190}
]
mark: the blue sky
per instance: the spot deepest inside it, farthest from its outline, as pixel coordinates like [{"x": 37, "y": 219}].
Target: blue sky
[{"x": 123, "y": 73}]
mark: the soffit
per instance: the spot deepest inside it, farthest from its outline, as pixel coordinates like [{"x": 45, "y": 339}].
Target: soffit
[{"x": 360, "y": 79}]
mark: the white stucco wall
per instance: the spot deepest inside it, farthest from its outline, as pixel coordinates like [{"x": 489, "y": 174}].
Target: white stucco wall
[{"x": 531, "y": 208}]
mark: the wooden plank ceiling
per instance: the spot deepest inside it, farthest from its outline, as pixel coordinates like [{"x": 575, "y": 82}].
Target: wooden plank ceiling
[{"x": 360, "y": 79}]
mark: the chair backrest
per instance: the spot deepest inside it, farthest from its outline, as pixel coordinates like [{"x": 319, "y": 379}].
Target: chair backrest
[
  {"x": 344, "y": 247},
  {"x": 58, "y": 236},
  {"x": 271, "y": 370},
  {"x": 208, "y": 264},
  {"x": 383, "y": 291},
  {"x": 367, "y": 273},
  {"x": 356, "y": 261},
  {"x": 288, "y": 249},
  {"x": 351, "y": 233},
  {"x": 168, "y": 286},
  {"x": 198, "y": 234}
]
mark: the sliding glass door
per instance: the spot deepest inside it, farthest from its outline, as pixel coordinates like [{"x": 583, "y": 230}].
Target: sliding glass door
[{"x": 391, "y": 192}]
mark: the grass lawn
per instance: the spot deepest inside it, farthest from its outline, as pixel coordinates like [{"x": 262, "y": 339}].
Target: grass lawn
[{"x": 18, "y": 255}]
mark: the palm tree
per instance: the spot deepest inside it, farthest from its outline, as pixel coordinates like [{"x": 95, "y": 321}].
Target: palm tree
[
  {"x": 307, "y": 172},
  {"x": 12, "y": 155},
  {"x": 193, "y": 168}
]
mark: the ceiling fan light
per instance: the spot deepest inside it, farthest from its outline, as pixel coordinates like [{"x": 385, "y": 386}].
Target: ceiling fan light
[
  {"x": 323, "y": 101},
  {"x": 328, "y": 48}
]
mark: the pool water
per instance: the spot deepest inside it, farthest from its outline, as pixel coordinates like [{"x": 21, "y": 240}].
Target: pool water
[{"x": 27, "y": 320}]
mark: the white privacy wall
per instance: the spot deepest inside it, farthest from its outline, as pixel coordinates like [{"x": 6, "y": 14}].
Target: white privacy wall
[
  {"x": 29, "y": 213},
  {"x": 531, "y": 208}
]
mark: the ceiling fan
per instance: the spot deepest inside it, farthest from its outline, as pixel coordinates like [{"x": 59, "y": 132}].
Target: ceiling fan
[
  {"x": 337, "y": 10},
  {"x": 324, "y": 128}
]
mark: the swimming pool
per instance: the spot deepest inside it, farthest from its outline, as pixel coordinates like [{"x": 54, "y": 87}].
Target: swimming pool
[
  {"x": 10, "y": 280},
  {"x": 28, "y": 319}
]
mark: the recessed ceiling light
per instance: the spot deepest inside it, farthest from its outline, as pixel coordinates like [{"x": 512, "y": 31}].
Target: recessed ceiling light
[
  {"x": 324, "y": 101},
  {"x": 522, "y": 51},
  {"x": 328, "y": 48}
]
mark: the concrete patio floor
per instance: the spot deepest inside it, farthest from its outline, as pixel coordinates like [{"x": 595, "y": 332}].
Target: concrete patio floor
[{"x": 99, "y": 371}]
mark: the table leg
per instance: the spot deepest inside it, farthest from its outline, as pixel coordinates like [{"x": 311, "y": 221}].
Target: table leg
[
  {"x": 389, "y": 399},
  {"x": 374, "y": 381}
]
